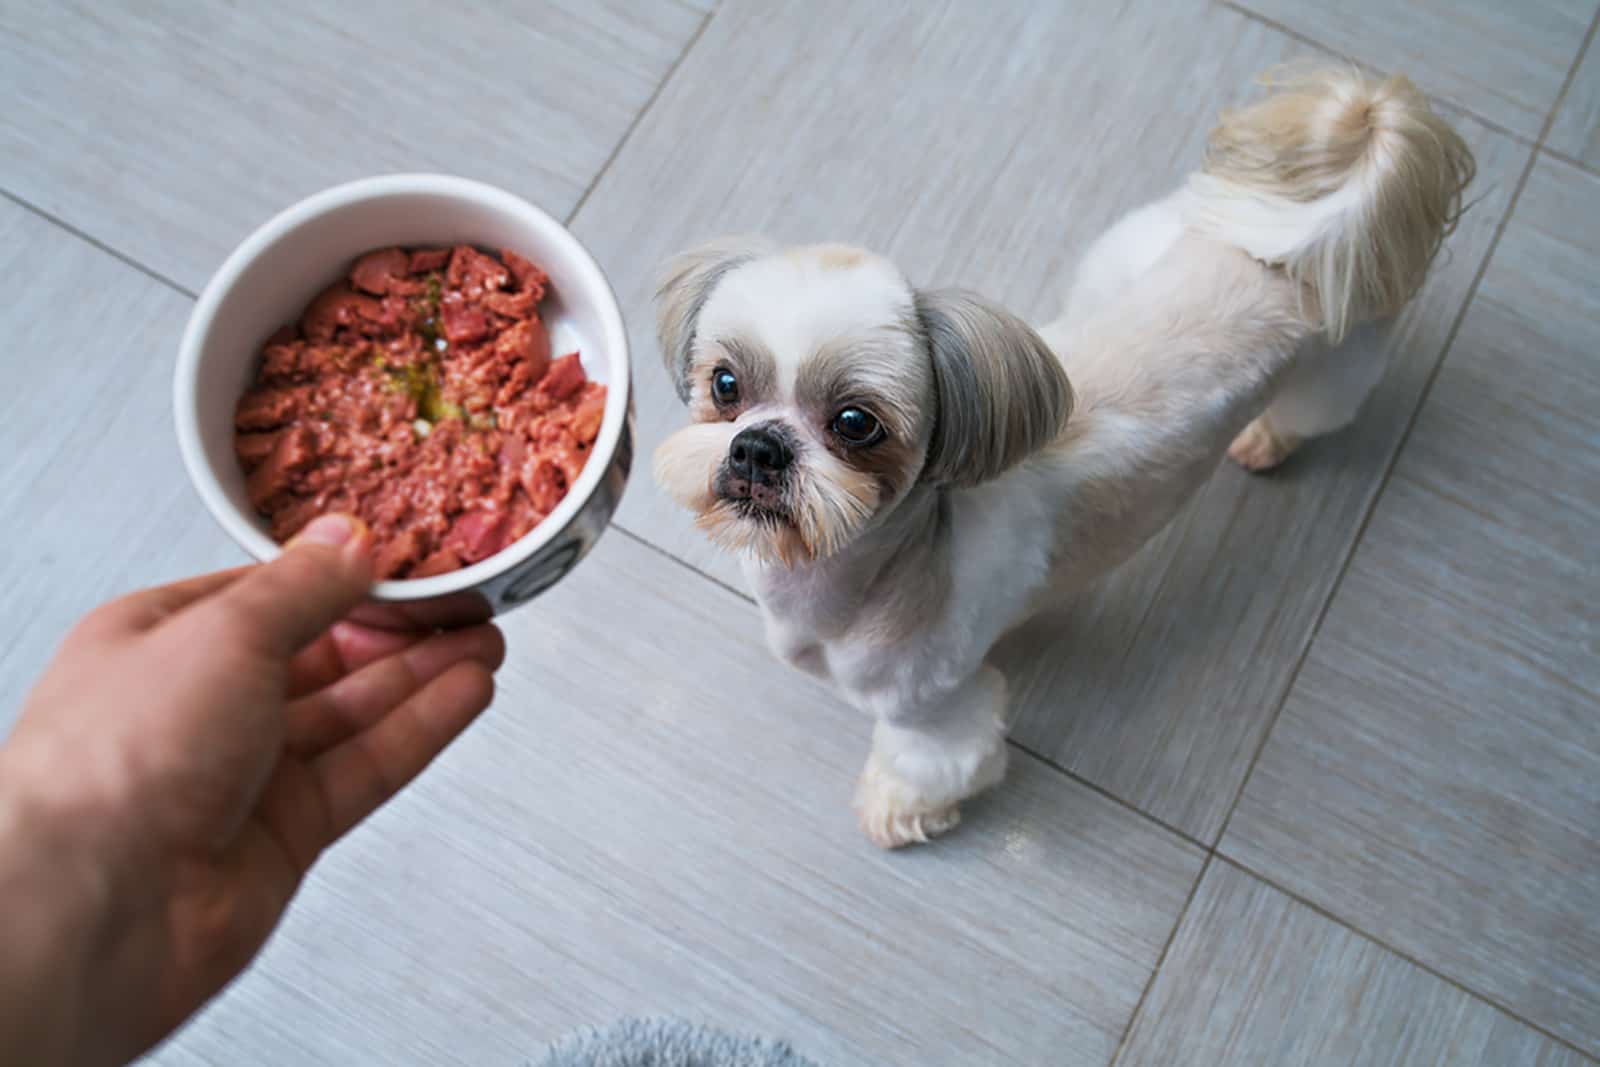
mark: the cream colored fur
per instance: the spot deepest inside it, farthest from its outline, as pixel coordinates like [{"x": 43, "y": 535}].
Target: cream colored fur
[{"x": 1227, "y": 301}]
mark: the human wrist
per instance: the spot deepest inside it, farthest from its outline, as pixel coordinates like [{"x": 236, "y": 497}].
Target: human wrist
[{"x": 54, "y": 904}]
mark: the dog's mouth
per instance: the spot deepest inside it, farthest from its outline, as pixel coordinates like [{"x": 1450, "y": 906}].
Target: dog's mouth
[
  {"x": 755, "y": 502},
  {"x": 761, "y": 514}
]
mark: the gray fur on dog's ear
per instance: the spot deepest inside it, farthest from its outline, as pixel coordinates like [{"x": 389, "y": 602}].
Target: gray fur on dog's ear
[
  {"x": 1002, "y": 393},
  {"x": 685, "y": 283}
]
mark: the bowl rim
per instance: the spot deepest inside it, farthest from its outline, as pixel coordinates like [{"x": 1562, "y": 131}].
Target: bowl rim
[{"x": 614, "y": 339}]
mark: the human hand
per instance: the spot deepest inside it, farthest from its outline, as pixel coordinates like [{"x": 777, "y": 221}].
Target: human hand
[{"x": 181, "y": 764}]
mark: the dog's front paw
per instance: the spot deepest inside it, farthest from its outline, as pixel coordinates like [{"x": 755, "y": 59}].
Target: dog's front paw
[
  {"x": 893, "y": 814},
  {"x": 1260, "y": 448}
]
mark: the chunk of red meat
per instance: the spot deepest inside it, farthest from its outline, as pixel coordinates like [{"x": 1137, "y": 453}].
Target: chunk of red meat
[
  {"x": 473, "y": 272},
  {"x": 376, "y": 272},
  {"x": 527, "y": 340},
  {"x": 463, "y": 322},
  {"x": 542, "y": 481},
  {"x": 589, "y": 414},
  {"x": 524, "y": 516},
  {"x": 479, "y": 534},
  {"x": 530, "y": 279},
  {"x": 267, "y": 409},
  {"x": 338, "y": 307},
  {"x": 302, "y": 361},
  {"x": 441, "y": 562},
  {"x": 397, "y": 313},
  {"x": 292, "y": 516},
  {"x": 292, "y": 453},
  {"x": 428, "y": 259},
  {"x": 280, "y": 362},
  {"x": 512, "y": 450},
  {"x": 398, "y": 553},
  {"x": 518, "y": 382},
  {"x": 253, "y": 448},
  {"x": 557, "y": 443},
  {"x": 522, "y": 305},
  {"x": 564, "y": 378},
  {"x": 283, "y": 335}
]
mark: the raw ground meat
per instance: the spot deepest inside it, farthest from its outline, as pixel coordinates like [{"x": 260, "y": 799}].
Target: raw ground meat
[{"x": 419, "y": 394}]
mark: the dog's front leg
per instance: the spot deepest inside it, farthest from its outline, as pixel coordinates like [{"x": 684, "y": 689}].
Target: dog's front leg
[{"x": 925, "y": 761}]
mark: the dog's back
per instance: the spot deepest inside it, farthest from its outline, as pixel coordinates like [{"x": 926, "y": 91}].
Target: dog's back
[{"x": 1318, "y": 208}]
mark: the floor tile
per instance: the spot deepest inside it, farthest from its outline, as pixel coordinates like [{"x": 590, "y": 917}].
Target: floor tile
[
  {"x": 1255, "y": 977},
  {"x": 1576, "y": 131},
  {"x": 1505, "y": 62},
  {"x": 169, "y": 130},
  {"x": 95, "y": 497},
  {"x": 1435, "y": 776},
  {"x": 651, "y": 820}
]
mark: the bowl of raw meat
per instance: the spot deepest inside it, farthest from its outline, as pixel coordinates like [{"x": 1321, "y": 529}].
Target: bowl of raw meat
[{"x": 431, "y": 354}]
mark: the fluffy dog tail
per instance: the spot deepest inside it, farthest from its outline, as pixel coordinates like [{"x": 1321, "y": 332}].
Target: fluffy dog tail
[{"x": 1347, "y": 183}]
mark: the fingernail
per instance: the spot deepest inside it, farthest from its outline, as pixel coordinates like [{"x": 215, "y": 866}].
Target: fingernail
[{"x": 327, "y": 530}]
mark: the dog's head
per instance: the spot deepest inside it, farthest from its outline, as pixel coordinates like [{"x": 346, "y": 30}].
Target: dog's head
[{"x": 822, "y": 388}]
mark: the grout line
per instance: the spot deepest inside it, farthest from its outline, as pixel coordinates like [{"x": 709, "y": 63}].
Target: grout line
[
  {"x": 1238, "y": 8},
  {"x": 81, "y": 235},
  {"x": 1161, "y": 960},
  {"x": 1382, "y": 487},
  {"x": 1566, "y": 84},
  {"x": 664, "y": 554},
  {"x": 655, "y": 95},
  {"x": 1244, "y": 868},
  {"x": 1570, "y": 161},
  {"x": 1102, "y": 791}
]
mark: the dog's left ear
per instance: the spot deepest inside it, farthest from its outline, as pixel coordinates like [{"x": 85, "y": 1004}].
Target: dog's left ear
[
  {"x": 1002, "y": 393},
  {"x": 685, "y": 284}
]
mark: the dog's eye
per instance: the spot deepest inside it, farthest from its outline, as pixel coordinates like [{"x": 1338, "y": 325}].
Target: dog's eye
[
  {"x": 724, "y": 386},
  {"x": 857, "y": 426}
]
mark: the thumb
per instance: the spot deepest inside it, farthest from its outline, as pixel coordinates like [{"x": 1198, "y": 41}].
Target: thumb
[{"x": 282, "y": 606}]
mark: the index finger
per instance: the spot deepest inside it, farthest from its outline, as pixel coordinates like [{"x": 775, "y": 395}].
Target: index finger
[{"x": 149, "y": 607}]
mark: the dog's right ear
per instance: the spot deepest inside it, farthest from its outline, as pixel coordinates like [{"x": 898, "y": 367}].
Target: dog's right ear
[{"x": 686, "y": 283}]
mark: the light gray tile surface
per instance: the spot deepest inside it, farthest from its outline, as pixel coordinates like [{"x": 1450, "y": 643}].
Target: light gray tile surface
[
  {"x": 1503, "y": 61},
  {"x": 1254, "y": 977},
  {"x": 1576, "y": 131},
  {"x": 170, "y": 129},
  {"x": 652, "y": 819},
  {"x": 1435, "y": 776},
  {"x": 989, "y": 168},
  {"x": 94, "y": 497}
]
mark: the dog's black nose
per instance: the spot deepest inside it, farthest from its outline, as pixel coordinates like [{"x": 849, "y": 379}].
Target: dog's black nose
[{"x": 759, "y": 453}]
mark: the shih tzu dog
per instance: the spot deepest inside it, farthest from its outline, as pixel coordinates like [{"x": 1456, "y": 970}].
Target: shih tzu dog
[{"x": 910, "y": 473}]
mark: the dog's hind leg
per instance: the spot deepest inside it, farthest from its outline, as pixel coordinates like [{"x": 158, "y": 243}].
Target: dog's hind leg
[{"x": 1323, "y": 391}]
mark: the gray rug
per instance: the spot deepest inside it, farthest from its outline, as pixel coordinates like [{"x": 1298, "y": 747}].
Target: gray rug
[{"x": 667, "y": 1043}]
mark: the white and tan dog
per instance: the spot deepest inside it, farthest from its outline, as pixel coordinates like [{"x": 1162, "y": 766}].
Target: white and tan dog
[{"x": 909, "y": 473}]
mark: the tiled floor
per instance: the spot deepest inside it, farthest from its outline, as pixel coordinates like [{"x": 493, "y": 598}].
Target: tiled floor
[{"x": 1314, "y": 780}]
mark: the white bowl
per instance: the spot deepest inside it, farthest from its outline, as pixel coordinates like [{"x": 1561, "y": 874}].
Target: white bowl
[{"x": 270, "y": 278}]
